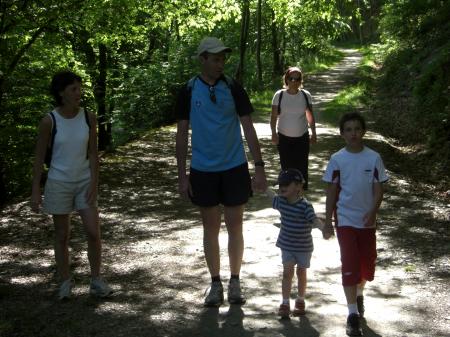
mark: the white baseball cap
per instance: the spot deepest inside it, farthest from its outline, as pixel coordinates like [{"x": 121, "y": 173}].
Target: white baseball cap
[{"x": 211, "y": 45}]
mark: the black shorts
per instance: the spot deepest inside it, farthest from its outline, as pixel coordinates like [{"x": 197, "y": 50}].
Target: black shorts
[{"x": 230, "y": 188}]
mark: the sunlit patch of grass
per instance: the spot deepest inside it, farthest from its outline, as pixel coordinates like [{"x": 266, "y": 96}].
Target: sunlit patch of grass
[
  {"x": 349, "y": 99},
  {"x": 410, "y": 268}
]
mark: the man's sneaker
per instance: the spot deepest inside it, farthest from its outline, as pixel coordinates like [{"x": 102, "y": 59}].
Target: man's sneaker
[
  {"x": 360, "y": 303},
  {"x": 284, "y": 311},
  {"x": 353, "y": 326},
  {"x": 215, "y": 295},
  {"x": 235, "y": 295},
  {"x": 99, "y": 288},
  {"x": 299, "y": 309},
  {"x": 65, "y": 290}
]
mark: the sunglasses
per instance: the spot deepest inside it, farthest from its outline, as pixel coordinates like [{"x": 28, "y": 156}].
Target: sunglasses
[
  {"x": 212, "y": 94},
  {"x": 294, "y": 79}
]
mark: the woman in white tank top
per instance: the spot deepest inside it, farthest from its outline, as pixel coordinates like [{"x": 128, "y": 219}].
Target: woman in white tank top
[
  {"x": 72, "y": 182},
  {"x": 290, "y": 118}
]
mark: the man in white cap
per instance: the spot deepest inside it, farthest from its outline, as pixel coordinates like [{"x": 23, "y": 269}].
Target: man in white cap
[{"x": 215, "y": 107}]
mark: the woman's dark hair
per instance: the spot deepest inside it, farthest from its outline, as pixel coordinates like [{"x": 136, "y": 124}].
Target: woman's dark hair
[
  {"x": 351, "y": 116},
  {"x": 60, "y": 81}
]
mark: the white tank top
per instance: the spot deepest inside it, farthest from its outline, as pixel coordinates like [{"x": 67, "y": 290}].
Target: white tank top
[{"x": 69, "y": 159}]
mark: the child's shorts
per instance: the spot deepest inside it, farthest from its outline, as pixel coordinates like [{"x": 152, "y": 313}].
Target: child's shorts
[
  {"x": 358, "y": 254},
  {"x": 301, "y": 259},
  {"x": 62, "y": 197}
]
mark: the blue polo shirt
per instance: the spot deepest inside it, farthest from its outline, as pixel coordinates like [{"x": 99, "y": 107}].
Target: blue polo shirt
[{"x": 216, "y": 139}]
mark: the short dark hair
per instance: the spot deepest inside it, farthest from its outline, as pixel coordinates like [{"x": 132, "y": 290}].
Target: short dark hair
[
  {"x": 351, "y": 116},
  {"x": 60, "y": 81}
]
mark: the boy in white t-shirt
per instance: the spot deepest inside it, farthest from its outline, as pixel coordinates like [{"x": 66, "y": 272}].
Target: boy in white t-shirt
[{"x": 354, "y": 193}]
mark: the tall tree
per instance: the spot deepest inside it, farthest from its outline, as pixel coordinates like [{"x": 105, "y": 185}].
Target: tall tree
[
  {"x": 258, "y": 43},
  {"x": 245, "y": 23}
]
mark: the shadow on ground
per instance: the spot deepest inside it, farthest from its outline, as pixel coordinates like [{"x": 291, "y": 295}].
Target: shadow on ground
[{"x": 153, "y": 254}]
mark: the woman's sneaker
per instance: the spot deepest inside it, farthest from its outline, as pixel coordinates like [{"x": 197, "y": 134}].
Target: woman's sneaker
[
  {"x": 99, "y": 288},
  {"x": 215, "y": 295},
  {"x": 65, "y": 290},
  {"x": 299, "y": 309},
  {"x": 235, "y": 295}
]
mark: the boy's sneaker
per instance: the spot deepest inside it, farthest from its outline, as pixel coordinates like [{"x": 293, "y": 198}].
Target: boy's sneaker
[
  {"x": 299, "y": 309},
  {"x": 65, "y": 289},
  {"x": 215, "y": 295},
  {"x": 353, "y": 325},
  {"x": 235, "y": 295},
  {"x": 360, "y": 303},
  {"x": 284, "y": 311},
  {"x": 99, "y": 288}
]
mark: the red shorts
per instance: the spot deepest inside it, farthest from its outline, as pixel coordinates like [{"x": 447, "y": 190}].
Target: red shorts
[{"x": 358, "y": 254}]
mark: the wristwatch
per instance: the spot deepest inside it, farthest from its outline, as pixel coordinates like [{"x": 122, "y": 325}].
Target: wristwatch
[{"x": 260, "y": 163}]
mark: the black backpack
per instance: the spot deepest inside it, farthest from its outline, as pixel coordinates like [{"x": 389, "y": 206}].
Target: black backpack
[
  {"x": 308, "y": 103},
  {"x": 49, "y": 152}
]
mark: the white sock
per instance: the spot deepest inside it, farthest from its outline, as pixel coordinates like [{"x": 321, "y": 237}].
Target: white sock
[{"x": 352, "y": 308}]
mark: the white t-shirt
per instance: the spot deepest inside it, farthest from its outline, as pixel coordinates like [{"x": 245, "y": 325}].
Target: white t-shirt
[
  {"x": 69, "y": 161},
  {"x": 292, "y": 120},
  {"x": 355, "y": 174}
]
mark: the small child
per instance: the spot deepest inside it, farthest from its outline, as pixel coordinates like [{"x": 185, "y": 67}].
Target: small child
[
  {"x": 354, "y": 175},
  {"x": 294, "y": 239}
]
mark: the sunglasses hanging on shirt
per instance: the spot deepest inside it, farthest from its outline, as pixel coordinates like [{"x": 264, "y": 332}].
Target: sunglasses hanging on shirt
[{"x": 212, "y": 94}]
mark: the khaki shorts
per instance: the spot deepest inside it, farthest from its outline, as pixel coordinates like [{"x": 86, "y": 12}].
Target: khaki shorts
[{"x": 62, "y": 197}]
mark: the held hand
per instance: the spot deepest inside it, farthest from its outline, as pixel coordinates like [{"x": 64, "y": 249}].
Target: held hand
[
  {"x": 313, "y": 139},
  {"x": 328, "y": 231}
]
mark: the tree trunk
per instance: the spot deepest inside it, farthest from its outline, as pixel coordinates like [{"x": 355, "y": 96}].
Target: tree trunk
[
  {"x": 104, "y": 122},
  {"x": 258, "y": 45},
  {"x": 277, "y": 64},
  {"x": 239, "y": 75}
]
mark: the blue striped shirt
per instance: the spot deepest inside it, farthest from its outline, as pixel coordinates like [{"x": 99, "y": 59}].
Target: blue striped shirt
[{"x": 296, "y": 224}]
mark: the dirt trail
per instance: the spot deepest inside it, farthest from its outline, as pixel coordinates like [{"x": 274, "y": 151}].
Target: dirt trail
[{"x": 153, "y": 254}]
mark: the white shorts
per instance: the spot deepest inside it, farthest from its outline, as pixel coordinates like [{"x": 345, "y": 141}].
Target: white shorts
[
  {"x": 62, "y": 197},
  {"x": 301, "y": 259}
]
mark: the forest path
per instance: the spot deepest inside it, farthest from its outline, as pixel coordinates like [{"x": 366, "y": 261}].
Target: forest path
[{"x": 153, "y": 254}]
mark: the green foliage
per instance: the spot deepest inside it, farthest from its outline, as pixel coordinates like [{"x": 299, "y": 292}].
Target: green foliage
[
  {"x": 349, "y": 99},
  {"x": 416, "y": 67},
  {"x": 133, "y": 57}
]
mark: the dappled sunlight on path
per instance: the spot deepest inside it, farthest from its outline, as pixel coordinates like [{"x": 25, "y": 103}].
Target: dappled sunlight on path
[{"x": 153, "y": 254}]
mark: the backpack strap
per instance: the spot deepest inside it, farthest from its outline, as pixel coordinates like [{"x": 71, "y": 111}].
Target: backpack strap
[
  {"x": 229, "y": 81},
  {"x": 308, "y": 102},
  {"x": 49, "y": 152},
  {"x": 279, "y": 101}
]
